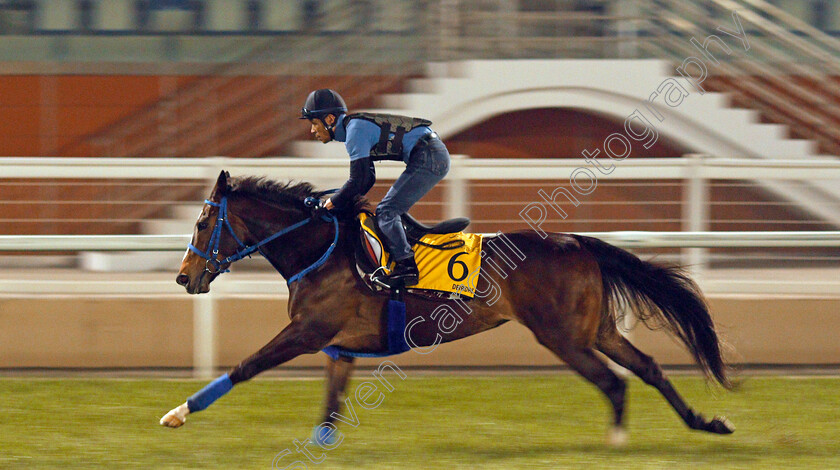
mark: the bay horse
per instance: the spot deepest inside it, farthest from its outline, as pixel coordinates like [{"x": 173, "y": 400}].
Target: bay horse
[{"x": 567, "y": 289}]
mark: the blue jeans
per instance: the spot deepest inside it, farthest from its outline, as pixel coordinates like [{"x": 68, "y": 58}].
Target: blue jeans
[{"x": 426, "y": 167}]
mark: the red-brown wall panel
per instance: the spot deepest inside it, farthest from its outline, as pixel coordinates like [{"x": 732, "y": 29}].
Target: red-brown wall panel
[{"x": 20, "y": 90}]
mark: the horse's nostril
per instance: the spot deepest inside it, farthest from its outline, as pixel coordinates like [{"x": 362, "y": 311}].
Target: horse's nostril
[{"x": 182, "y": 279}]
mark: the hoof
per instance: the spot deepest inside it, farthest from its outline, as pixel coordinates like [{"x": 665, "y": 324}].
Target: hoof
[
  {"x": 617, "y": 437},
  {"x": 176, "y": 417},
  {"x": 172, "y": 421},
  {"x": 720, "y": 425}
]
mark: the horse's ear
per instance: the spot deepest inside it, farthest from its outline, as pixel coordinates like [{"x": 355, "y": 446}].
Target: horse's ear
[{"x": 222, "y": 182}]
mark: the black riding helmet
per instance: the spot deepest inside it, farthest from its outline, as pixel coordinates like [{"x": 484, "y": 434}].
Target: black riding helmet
[{"x": 322, "y": 102}]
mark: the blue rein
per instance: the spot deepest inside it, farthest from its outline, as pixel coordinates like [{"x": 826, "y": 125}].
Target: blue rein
[{"x": 212, "y": 253}]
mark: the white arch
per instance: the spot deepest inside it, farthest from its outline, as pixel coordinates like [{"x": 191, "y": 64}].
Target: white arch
[{"x": 676, "y": 126}]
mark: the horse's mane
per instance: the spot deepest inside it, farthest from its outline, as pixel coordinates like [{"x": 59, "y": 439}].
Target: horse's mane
[{"x": 288, "y": 194}]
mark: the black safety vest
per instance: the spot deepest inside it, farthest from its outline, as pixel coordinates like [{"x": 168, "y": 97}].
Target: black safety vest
[{"x": 388, "y": 147}]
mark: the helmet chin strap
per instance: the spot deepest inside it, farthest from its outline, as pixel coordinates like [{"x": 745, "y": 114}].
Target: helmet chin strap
[{"x": 330, "y": 129}]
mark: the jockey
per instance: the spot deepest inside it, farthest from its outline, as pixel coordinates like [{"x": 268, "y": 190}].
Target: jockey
[{"x": 372, "y": 137}]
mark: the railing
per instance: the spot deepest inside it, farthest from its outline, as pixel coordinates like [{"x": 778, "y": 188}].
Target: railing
[
  {"x": 690, "y": 194},
  {"x": 466, "y": 168},
  {"x": 629, "y": 239}
]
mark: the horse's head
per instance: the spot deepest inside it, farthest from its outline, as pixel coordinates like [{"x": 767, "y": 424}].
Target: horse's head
[
  {"x": 273, "y": 210},
  {"x": 216, "y": 236}
]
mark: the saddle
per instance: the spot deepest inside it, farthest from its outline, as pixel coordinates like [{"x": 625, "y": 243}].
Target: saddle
[
  {"x": 432, "y": 243},
  {"x": 415, "y": 230}
]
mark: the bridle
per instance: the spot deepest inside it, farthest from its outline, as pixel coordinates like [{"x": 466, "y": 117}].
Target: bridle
[{"x": 213, "y": 264}]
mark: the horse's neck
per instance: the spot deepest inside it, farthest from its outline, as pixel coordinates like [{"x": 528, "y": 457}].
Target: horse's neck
[{"x": 298, "y": 249}]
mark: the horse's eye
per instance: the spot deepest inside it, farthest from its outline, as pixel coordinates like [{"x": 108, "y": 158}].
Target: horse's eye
[{"x": 202, "y": 225}]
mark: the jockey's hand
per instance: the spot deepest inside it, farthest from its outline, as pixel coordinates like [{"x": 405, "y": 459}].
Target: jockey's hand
[{"x": 323, "y": 210}]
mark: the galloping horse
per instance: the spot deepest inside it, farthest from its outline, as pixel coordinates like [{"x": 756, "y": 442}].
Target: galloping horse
[{"x": 567, "y": 290}]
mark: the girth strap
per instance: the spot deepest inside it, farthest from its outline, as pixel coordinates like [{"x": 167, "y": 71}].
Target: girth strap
[{"x": 395, "y": 342}]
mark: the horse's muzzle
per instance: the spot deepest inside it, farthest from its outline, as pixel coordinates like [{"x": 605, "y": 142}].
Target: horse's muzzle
[{"x": 198, "y": 286}]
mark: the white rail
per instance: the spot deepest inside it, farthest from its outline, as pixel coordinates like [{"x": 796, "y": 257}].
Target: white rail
[
  {"x": 94, "y": 242},
  {"x": 633, "y": 239},
  {"x": 471, "y": 168},
  {"x": 326, "y": 172}
]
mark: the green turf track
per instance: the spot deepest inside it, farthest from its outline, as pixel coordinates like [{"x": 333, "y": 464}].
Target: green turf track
[{"x": 504, "y": 422}]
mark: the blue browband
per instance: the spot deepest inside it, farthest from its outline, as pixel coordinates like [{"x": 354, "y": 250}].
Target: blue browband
[{"x": 212, "y": 253}]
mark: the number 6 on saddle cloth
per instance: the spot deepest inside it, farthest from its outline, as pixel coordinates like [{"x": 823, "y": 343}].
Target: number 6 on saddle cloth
[{"x": 448, "y": 262}]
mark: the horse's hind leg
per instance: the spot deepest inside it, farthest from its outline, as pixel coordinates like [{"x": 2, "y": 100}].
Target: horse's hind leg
[
  {"x": 620, "y": 350},
  {"x": 585, "y": 362},
  {"x": 338, "y": 375}
]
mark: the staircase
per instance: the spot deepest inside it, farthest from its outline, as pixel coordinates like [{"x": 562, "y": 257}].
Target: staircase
[
  {"x": 790, "y": 73},
  {"x": 790, "y": 76}
]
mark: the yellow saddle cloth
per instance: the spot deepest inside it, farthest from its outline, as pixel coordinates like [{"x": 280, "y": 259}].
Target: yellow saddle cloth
[{"x": 446, "y": 270}]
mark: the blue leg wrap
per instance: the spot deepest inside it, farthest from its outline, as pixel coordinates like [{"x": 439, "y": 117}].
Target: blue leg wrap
[
  {"x": 321, "y": 436},
  {"x": 207, "y": 395}
]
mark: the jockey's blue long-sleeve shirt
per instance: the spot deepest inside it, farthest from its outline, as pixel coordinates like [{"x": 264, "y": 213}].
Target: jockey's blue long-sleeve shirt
[{"x": 359, "y": 137}]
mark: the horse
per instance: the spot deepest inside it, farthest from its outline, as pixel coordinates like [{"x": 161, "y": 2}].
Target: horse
[{"x": 569, "y": 290}]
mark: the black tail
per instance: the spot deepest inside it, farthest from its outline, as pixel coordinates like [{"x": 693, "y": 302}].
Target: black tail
[{"x": 660, "y": 297}]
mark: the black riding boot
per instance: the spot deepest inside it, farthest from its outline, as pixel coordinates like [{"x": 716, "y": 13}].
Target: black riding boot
[{"x": 405, "y": 273}]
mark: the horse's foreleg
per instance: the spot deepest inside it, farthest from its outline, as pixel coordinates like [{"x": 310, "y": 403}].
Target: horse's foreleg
[
  {"x": 617, "y": 348},
  {"x": 338, "y": 375},
  {"x": 294, "y": 340}
]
